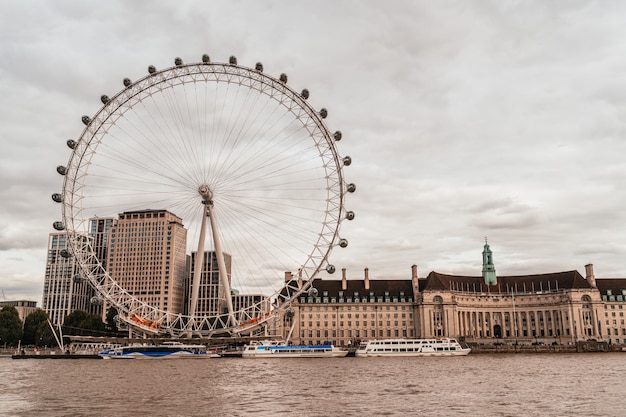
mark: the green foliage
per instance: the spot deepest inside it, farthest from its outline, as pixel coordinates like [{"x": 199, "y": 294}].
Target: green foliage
[
  {"x": 111, "y": 324},
  {"x": 82, "y": 323},
  {"x": 10, "y": 326},
  {"x": 37, "y": 330}
]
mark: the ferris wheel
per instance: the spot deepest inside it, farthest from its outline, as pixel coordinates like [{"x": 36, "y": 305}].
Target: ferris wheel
[{"x": 242, "y": 159}]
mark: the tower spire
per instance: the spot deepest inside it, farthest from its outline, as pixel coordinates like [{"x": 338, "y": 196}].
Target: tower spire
[{"x": 489, "y": 269}]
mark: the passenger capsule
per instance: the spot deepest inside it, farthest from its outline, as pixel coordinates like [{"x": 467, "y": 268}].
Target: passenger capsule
[
  {"x": 96, "y": 300},
  {"x": 151, "y": 69},
  {"x": 290, "y": 312},
  {"x": 351, "y": 187},
  {"x": 127, "y": 82},
  {"x": 313, "y": 292},
  {"x": 330, "y": 269},
  {"x": 232, "y": 60},
  {"x": 65, "y": 253},
  {"x": 283, "y": 78},
  {"x": 259, "y": 67},
  {"x": 104, "y": 99},
  {"x": 178, "y": 62},
  {"x": 347, "y": 160},
  {"x": 58, "y": 226},
  {"x": 61, "y": 170},
  {"x": 86, "y": 120},
  {"x": 57, "y": 198},
  {"x": 343, "y": 243},
  {"x": 77, "y": 278},
  {"x": 323, "y": 113},
  {"x": 71, "y": 144},
  {"x": 350, "y": 215},
  {"x": 337, "y": 136},
  {"x": 305, "y": 94},
  {"x": 206, "y": 59}
]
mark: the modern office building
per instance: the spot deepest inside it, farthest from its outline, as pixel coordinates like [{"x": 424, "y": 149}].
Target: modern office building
[
  {"x": 210, "y": 299},
  {"x": 64, "y": 291},
  {"x": 147, "y": 257},
  {"x": 99, "y": 235},
  {"x": 256, "y": 306}
]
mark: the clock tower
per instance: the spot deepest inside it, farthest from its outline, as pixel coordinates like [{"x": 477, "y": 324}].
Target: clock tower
[{"x": 489, "y": 269}]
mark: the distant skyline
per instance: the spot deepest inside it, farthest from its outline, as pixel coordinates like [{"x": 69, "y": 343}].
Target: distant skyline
[{"x": 464, "y": 120}]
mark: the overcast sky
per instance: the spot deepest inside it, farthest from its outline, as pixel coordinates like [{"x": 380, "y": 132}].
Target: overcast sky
[{"x": 464, "y": 119}]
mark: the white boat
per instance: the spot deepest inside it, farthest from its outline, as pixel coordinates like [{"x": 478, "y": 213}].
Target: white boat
[
  {"x": 167, "y": 350},
  {"x": 279, "y": 349},
  {"x": 412, "y": 347}
]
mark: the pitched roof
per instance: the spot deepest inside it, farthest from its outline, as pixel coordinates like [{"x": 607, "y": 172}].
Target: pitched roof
[
  {"x": 377, "y": 286},
  {"x": 539, "y": 282},
  {"x": 616, "y": 285}
]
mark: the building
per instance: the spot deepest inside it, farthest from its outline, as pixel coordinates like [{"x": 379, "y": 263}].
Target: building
[
  {"x": 147, "y": 257},
  {"x": 562, "y": 308},
  {"x": 347, "y": 311},
  {"x": 64, "y": 290},
  {"x": 210, "y": 300},
  {"x": 256, "y": 306},
  {"x": 611, "y": 314},
  {"x": 23, "y": 307},
  {"x": 99, "y": 235}
]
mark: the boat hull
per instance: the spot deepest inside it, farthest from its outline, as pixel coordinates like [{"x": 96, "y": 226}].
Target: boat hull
[
  {"x": 279, "y": 350},
  {"x": 413, "y": 354},
  {"x": 165, "y": 351},
  {"x": 167, "y": 356},
  {"x": 412, "y": 348},
  {"x": 279, "y": 355}
]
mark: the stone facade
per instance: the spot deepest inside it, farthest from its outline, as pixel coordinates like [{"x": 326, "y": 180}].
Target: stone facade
[{"x": 559, "y": 308}]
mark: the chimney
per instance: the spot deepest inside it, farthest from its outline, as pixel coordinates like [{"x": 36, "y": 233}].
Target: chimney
[
  {"x": 414, "y": 279},
  {"x": 344, "y": 282},
  {"x": 591, "y": 278},
  {"x": 288, "y": 276},
  {"x": 367, "y": 279}
]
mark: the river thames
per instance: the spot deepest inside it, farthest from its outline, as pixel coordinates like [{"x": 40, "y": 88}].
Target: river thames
[{"x": 589, "y": 384}]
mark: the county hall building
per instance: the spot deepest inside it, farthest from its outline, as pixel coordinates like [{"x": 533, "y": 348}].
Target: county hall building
[{"x": 562, "y": 308}]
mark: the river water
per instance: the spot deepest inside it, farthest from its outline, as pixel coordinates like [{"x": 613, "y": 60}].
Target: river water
[{"x": 589, "y": 384}]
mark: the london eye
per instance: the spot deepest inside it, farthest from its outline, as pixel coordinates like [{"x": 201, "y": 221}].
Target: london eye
[{"x": 245, "y": 161}]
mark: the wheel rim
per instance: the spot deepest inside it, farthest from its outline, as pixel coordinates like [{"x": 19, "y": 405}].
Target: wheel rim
[{"x": 264, "y": 152}]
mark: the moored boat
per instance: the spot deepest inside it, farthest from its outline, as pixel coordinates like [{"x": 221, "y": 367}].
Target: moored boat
[
  {"x": 167, "y": 350},
  {"x": 279, "y": 349},
  {"x": 412, "y": 347}
]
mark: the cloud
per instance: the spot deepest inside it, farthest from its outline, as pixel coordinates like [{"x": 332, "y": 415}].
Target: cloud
[{"x": 464, "y": 120}]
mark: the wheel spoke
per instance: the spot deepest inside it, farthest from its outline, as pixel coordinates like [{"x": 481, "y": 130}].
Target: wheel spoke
[{"x": 266, "y": 155}]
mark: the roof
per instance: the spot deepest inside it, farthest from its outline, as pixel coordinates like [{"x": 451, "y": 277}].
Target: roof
[
  {"x": 539, "y": 282},
  {"x": 377, "y": 286},
  {"x": 616, "y": 285}
]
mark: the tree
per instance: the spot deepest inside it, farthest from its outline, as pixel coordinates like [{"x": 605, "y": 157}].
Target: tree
[
  {"x": 37, "y": 330},
  {"x": 111, "y": 323},
  {"x": 82, "y": 323},
  {"x": 10, "y": 326}
]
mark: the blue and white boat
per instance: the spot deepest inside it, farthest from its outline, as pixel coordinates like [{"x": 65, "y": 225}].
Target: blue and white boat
[
  {"x": 167, "y": 350},
  {"x": 279, "y": 349}
]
